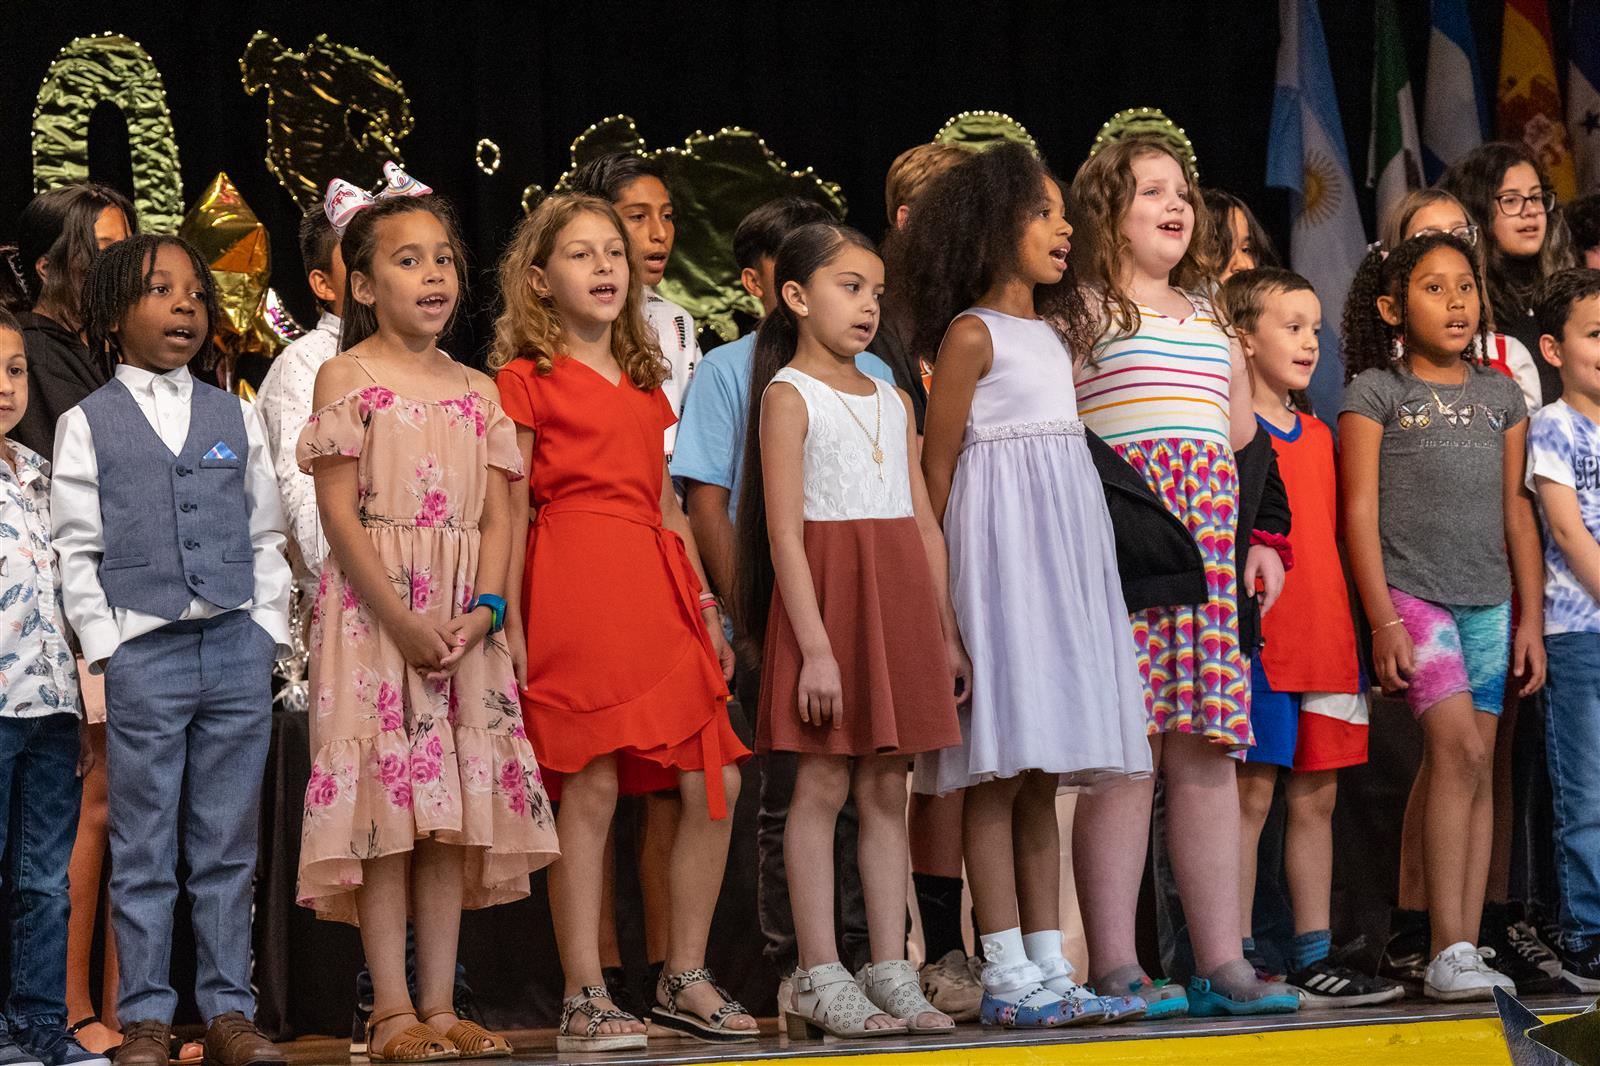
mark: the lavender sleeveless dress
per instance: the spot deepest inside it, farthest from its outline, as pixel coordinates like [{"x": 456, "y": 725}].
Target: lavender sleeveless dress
[{"x": 1033, "y": 576}]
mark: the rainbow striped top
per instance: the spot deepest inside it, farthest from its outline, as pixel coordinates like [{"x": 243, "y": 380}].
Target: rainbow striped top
[{"x": 1170, "y": 379}]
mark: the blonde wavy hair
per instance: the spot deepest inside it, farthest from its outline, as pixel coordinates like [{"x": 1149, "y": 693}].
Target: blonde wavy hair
[
  {"x": 1102, "y": 190},
  {"x": 529, "y": 325}
]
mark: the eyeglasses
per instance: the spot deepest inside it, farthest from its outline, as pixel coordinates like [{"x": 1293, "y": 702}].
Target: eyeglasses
[
  {"x": 1467, "y": 234},
  {"x": 1513, "y": 203}
]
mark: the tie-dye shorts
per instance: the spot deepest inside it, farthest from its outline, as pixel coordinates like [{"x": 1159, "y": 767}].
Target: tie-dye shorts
[{"x": 1457, "y": 649}]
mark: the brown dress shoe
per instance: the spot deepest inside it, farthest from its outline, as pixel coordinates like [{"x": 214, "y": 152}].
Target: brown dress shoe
[
  {"x": 233, "y": 1040},
  {"x": 143, "y": 1044}
]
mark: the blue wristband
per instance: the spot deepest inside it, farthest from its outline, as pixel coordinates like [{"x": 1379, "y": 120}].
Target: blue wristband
[{"x": 497, "y": 610}]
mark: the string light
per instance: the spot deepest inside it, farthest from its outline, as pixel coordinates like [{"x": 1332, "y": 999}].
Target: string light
[
  {"x": 86, "y": 72},
  {"x": 1136, "y": 120},
  {"x": 491, "y": 164},
  {"x": 980, "y": 129}
]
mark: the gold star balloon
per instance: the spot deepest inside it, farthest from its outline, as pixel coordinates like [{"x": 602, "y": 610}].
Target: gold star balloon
[{"x": 233, "y": 242}]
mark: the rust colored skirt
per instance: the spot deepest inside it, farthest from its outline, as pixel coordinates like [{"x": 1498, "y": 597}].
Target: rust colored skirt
[{"x": 878, "y": 606}]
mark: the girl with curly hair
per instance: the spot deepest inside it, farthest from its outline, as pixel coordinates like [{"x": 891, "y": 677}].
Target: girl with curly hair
[
  {"x": 1432, "y": 440},
  {"x": 624, "y": 667},
  {"x": 1057, "y": 701},
  {"x": 1166, "y": 389}
]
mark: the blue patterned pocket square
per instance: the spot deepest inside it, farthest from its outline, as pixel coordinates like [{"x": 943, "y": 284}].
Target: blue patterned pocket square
[{"x": 220, "y": 450}]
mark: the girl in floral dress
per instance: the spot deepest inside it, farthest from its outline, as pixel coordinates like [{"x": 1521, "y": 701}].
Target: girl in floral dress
[{"x": 424, "y": 796}]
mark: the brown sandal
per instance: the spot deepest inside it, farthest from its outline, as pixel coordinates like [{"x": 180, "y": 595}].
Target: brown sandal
[
  {"x": 471, "y": 1039},
  {"x": 414, "y": 1043}
]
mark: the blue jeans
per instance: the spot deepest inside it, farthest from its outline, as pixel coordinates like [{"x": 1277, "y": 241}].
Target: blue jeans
[
  {"x": 39, "y": 795},
  {"x": 1572, "y": 728}
]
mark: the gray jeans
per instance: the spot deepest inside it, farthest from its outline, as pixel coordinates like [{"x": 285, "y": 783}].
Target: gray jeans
[{"x": 188, "y": 718}]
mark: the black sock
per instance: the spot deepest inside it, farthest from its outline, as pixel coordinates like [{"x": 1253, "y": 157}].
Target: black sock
[{"x": 939, "y": 902}]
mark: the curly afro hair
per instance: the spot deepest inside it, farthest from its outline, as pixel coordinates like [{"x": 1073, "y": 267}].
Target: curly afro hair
[{"x": 963, "y": 238}]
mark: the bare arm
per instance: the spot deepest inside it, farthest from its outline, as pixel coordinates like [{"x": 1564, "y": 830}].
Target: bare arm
[
  {"x": 1241, "y": 404},
  {"x": 519, "y": 514},
  {"x": 964, "y": 357},
  {"x": 1527, "y": 563},
  {"x": 673, "y": 518},
  {"x": 784, "y": 422},
  {"x": 713, "y": 533},
  {"x": 938, "y": 559},
  {"x": 1360, "y": 440},
  {"x": 338, "y": 502}
]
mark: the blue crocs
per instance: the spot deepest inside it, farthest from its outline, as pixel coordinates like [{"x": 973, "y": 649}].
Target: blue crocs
[
  {"x": 1162, "y": 1000},
  {"x": 1207, "y": 1002}
]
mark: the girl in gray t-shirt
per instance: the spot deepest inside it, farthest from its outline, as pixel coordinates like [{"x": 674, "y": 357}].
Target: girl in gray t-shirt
[{"x": 1439, "y": 532}]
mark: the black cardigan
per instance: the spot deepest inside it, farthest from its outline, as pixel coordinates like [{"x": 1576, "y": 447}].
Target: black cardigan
[
  {"x": 1157, "y": 558},
  {"x": 1263, "y": 505},
  {"x": 60, "y": 374}
]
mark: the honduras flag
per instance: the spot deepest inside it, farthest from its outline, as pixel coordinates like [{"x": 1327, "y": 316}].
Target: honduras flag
[
  {"x": 1455, "y": 113},
  {"x": 1306, "y": 155},
  {"x": 1583, "y": 93}
]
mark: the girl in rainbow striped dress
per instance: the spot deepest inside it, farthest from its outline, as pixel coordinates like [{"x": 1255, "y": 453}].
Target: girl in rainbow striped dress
[{"x": 1165, "y": 389}]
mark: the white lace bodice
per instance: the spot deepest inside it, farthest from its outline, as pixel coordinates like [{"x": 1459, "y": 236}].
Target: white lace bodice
[{"x": 842, "y": 483}]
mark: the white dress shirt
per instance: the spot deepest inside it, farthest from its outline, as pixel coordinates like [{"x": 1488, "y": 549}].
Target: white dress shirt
[
  {"x": 284, "y": 401},
  {"x": 80, "y": 536},
  {"x": 675, "y": 332}
]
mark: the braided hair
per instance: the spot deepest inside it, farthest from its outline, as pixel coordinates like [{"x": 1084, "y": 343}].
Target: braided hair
[
  {"x": 118, "y": 279},
  {"x": 1369, "y": 341}
]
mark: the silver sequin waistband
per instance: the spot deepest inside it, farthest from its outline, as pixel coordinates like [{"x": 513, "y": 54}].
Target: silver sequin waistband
[{"x": 1053, "y": 427}]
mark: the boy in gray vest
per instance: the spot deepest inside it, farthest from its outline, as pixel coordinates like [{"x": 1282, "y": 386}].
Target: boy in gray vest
[{"x": 171, "y": 535}]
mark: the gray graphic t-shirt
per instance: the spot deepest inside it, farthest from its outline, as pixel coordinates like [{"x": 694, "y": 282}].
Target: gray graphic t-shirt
[{"x": 1440, "y": 516}]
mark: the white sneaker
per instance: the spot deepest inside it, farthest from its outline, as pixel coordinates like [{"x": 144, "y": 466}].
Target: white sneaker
[
  {"x": 951, "y": 986},
  {"x": 1459, "y": 973}
]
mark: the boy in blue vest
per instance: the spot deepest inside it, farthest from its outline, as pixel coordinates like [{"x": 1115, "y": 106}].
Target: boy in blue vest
[{"x": 171, "y": 535}]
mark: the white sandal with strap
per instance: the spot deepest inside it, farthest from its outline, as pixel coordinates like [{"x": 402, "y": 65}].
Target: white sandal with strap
[
  {"x": 894, "y": 988},
  {"x": 592, "y": 1039},
  {"x": 829, "y": 1003}
]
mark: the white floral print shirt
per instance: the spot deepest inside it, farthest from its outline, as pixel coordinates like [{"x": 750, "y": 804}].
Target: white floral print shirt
[{"x": 37, "y": 674}]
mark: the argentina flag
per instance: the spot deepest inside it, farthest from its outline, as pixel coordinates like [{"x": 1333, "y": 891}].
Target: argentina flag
[{"x": 1307, "y": 155}]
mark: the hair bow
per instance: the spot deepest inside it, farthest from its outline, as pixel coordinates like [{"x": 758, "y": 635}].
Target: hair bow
[{"x": 344, "y": 200}]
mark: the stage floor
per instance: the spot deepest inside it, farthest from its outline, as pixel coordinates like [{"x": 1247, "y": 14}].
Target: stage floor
[{"x": 1409, "y": 1032}]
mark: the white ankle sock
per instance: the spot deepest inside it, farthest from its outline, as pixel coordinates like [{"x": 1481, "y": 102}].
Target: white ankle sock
[
  {"x": 1008, "y": 973},
  {"x": 1044, "y": 951}
]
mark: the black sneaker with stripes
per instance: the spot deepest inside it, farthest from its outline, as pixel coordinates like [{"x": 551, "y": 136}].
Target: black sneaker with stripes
[{"x": 1326, "y": 984}]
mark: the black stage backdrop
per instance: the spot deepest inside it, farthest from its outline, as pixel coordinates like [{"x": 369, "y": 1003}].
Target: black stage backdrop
[
  {"x": 842, "y": 87},
  {"x": 839, "y": 87}
]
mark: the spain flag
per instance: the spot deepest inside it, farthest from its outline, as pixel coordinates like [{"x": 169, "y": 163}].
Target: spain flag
[{"x": 1530, "y": 108}]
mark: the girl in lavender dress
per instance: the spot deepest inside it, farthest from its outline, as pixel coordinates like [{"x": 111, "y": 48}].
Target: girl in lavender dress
[{"x": 1056, "y": 697}]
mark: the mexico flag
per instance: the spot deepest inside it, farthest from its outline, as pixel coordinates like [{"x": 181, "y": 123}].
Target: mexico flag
[
  {"x": 1394, "y": 154},
  {"x": 1530, "y": 98}
]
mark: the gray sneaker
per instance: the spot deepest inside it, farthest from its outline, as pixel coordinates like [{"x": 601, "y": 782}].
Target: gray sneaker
[{"x": 11, "y": 1053}]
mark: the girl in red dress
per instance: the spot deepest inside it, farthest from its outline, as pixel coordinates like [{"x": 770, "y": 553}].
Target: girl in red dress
[{"x": 621, "y": 658}]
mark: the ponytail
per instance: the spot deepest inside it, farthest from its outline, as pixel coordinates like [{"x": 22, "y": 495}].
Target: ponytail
[{"x": 803, "y": 253}]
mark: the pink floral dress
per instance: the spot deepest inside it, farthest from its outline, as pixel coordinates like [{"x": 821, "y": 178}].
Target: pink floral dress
[{"x": 395, "y": 757}]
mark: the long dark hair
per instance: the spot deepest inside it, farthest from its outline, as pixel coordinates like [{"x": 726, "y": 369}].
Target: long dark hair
[
  {"x": 58, "y": 227},
  {"x": 1474, "y": 179},
  {"x": 1369, "y": 341},
  {"x": 803, "y": 253},
  {"x": 1222, "y": 204},
  {"x": 963, "y": 237},
  {"x": 359, "y": 245},
  {"x": 118, "y": 279}
]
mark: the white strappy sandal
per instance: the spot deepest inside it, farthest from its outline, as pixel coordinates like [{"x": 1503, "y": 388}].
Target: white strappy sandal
[
  {"x": 829, "y": 1003},
  {"x": 894, "y": 988}
]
